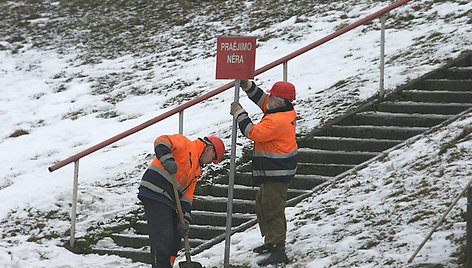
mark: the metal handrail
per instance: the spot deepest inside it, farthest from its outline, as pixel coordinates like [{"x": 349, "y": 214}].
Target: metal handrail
[{"x": 179, "y": 109}]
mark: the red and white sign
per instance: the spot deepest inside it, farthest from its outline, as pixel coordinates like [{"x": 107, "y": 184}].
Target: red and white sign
[{"x": 235, "y": 57}]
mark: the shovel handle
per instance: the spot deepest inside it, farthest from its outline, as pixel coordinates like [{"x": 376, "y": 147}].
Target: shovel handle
[{"x": 181, "y": 218}]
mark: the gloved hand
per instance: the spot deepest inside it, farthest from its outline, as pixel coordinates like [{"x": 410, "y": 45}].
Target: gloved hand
[
  {"x": 170, "y": 166},
  {"x": 245, "y": 84},
  {"x": 236, "y": 108},
  {"x": 183, "y": 228}
]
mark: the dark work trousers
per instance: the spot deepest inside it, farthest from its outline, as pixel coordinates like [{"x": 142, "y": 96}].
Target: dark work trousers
[
  {"x": 270, "y": 211},
  {"x": 163, "y": 234}
]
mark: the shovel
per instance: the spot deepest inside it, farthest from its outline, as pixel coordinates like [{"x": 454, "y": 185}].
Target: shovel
[{"x": 188, "y": 263}]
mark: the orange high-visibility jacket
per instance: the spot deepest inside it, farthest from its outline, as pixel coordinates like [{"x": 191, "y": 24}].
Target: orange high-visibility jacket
[
  {"x": 275, "y": 149},
  {"x": 186, "y": 154}
]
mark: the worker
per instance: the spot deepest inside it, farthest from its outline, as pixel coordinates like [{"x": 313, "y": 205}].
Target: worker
[
  {"x": 274, "y": 161},
  {"x": 175, "y": 157}
]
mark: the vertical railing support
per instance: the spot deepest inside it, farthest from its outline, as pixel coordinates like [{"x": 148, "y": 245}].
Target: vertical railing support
[
  {"x": 232, "y": 171},
  {"x": 181, "y": 122},
  {"x": 382, "y": 57},
  {"x": 285, "y": 75},
  {"x": 74, "y": 203},
  {"x": 468, "y": 247}
]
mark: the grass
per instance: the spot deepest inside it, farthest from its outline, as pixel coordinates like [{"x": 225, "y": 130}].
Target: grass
[{"x": 19, "y": 132}]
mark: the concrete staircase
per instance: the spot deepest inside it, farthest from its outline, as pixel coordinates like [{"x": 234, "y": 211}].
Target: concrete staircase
[{"x": 325, "y": 153}]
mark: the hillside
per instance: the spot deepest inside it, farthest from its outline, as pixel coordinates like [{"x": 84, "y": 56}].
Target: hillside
[{"x": 73, "y": 73}]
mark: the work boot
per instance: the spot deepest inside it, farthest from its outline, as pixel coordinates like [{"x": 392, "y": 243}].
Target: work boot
[
  {"x": 262, "y": 249},
  {"x": 277, "y": 255}
]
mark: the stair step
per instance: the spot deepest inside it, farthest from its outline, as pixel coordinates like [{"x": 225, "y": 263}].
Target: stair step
[
  {"x": 219, "y": 218},
  {"x": 447, "y": 84},
  {"x": 137, "y": 255},
  {"x": 202, "y": 232},
  {"x": 307, "y": 155},
  {"x": 440, "y": 96},
  {"x": 239, "y": 192},
  {"x": 218, "y": 204},
  {"x": 375, "y": 132},
  {"x": 458, "y": 73},
  {"x": 308, "y": 181},
  {"x": 205, "y": 232},
  {"x": 395, "y": 119},
  {"x": 131, "y": 240},
  {"x": 422, "y": 107},
  {"x": 241, "y": 178},
  {"x": 300, "y": 181},
  {"x": 347, "y": 144},
  {"x": 142, "y": 240},
  {"x": 327, "y": 170}
]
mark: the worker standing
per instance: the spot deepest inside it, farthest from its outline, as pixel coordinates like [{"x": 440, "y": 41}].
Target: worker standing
[
  {"x": 274, "y": 161},
  {"x": 175, "y": 157}
]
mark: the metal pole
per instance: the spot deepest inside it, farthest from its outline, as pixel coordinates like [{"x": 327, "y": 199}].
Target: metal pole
[
  {"x": 229, "y": 208},
  {"x": 181, "y": 122},
  {"x": 440, "y": 221},
  {"x": 382, "y": 57},
  {"x": 285, "y": 70},
  {"x": 74, "y": 203},
  {"x": 468, "y": 247}
]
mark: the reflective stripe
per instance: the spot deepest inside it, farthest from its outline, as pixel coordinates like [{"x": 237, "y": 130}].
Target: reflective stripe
[
  {"x": 252, "y": 90},
  {"x": 244, "y": 126},
  {"x": 165, "y": 157},
  {"x": 247, "y": 128},
  {"x": 275, "y": 155},
  {"x": 261, "y": 100},
  {"x": 166, "y": 144},
  {"x": 188, "y": 216},
  {"x": 186, "y": 199},
  {"x": 156, "y": 189},
  {"x": 166, "y": 175},
  {"x": 241, "y": 116},
  {"x": 238, "y": 113},
  {"x": 274, "y": 173}
]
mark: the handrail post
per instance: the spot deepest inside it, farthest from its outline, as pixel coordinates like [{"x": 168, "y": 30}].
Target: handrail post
[
  {"x": 74, "y": 203},
  {"x": 181, "y": 122},
  {"x": 285, "y": 75},
  {"x": 232, "y": 171},
  {"x": 382, "y": 57}
]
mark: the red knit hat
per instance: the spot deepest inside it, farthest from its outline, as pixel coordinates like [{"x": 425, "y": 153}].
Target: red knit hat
[{"x": 283, "y": 89}]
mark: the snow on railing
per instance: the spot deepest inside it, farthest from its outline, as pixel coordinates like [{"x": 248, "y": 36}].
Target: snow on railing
[{"x": 180, "y": 109}]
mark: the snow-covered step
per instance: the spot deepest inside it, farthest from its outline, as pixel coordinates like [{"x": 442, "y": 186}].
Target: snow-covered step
[
  {"x": 440, "y": 96},
  {"x": 321, "y": 170},
  {"x": 458, "y": 72},
  {"x": 422, "y": 107},
  {"x": 300, "y": 181},
  {"x": 447, "y": 84},
  {"x": 219, "y": 204},
  {"x": 308, "y": 155},
  {"x": 374, "y": 132},
  {"x": 395, "y": 119},
  {"x": 200, "y": 217},
  {"x": 137, "y": 255},
  {"x": 347, "y": 144},
  {"x": 239, "y": 192}
]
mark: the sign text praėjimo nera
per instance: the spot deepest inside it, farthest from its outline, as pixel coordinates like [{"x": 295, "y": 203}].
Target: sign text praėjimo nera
[{"x": 235, "y": 58}]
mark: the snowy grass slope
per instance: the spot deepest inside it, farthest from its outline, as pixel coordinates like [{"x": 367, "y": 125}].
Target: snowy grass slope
[{"x": 75, "y": 73}]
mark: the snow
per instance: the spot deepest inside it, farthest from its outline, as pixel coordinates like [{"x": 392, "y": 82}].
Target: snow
[{"x": 372, "y": 218}]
